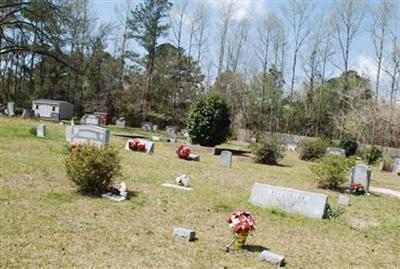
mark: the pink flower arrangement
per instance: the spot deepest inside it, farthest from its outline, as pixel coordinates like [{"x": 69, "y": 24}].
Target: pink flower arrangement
[
  {"x": 136, "y": 145},
  {"x": 241, "y": 222},
  {"x": 183, "y": 152},
  {"x": 74, "y": 146},
  {"x": 357, "y": 188}
]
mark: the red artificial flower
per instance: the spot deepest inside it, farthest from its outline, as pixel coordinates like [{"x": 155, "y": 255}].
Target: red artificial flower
[
  {"x": 183, "y": 152},
  {"x": 74, "y": 146},
  {"x": 136, "y": 145},
  {"x": 241, "y": 222}
]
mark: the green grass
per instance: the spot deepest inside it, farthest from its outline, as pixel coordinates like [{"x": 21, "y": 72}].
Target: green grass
[{"x": 45, "y": 223}]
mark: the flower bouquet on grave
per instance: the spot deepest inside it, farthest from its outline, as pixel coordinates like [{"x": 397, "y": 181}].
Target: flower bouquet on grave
[
  {"x": 74, "y": 146},
  {"x": 242, "y": 224},
  {"x": 183, "y": 152},
  {"x": 357, "y": 189},
  {"x": 136, "y": 145}
]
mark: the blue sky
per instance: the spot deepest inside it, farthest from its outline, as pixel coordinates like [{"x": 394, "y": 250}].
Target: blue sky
[{"x": 362, "y": 52}]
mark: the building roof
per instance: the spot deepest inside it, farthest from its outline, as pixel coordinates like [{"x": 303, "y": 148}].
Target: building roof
[{"x": 48, "y": 101}]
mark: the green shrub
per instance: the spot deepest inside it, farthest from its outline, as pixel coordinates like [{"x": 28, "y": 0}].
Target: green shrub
[
  {"x": 373, "y": 154},
  {"x": 332, "y": 171},
  {"x": 208, "y": 121},
  {"x": 387, "y": 165},
  {"x": 92, "y": 168},
  {"x": 312, "y": 149},
  {"x": 349, "y": 145},
  {"x": 268, "y": 151},
  {"x": 32, "y": 131}
]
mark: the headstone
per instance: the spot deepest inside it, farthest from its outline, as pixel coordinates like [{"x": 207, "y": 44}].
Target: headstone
[
  {"x": 194, "y": 157},
  {"x": 253, "y": 140},
  {"x": 148, "y": 144},
  {"x": 155, "y": 138},
  {"x": 309, "y": 204},
  {"x": 335, "y": 151},
  {"x": 41, "y": 130},
  {"x": 91, "y": 119},
  {"x": 168, "y": 185},
  {"x": 11, "y": 109},
  {"x": 291, "y": 147},
  {"x": 147, "y": 126},
  {"x": 121, "y": 123},
  {"x": 361, "y": 174},
  {"x": 170, "y": 129},
  {"x": 26, "y": 113},
  {"x": 155, "y": 127},
  {"x": 226, "y": 158},
  {"x": 185, "y": 234},
  {"x": 343, "y": 200},
  {"x": 87, "y": 134},
  {"x": 172, "y": 138},
  {"x": 272, "y": 258},
  {"x": 396, "y": 166}
]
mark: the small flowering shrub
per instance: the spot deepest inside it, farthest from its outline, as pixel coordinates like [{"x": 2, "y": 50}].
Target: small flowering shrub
[
  {"x": 241, "y": 222},
  {"x": 183, "y": 152},
  {"x": 92, "y": 168},
  {"x": 136, "y": 145},
  {"x": 332, "y": 171},
  {"x": 357, "y": 189}
]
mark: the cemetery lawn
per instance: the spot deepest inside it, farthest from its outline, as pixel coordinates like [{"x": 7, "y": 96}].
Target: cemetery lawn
[{"x": 45, "y": 223}]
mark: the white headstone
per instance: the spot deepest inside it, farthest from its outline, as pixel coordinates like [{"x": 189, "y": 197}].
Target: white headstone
[
  {"x": 272, "y": 258},
  {"x": 309, "y": 204},
  {"x": 121, "y": 123},
  {"x": 91, "y": 119},
  {"x": 396, "y": 166},
  {"x": 148, "y": 144},
  {"x": 87, "y": 134},
  {"x": 361, "y": 174},
  {"x": 147, "y": 126},
  {"x": 41, "y": 130},
  {"x": 335, "y": 151},
  {"x": 226, "y": 158},
  {"x": 11, "y": 108},
  {"x": 291, "y": 147}
]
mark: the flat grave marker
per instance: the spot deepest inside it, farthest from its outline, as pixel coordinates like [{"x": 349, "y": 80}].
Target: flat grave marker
[
  {"x": 148, "y": 144},
  {"x": 183, "y": 233}
]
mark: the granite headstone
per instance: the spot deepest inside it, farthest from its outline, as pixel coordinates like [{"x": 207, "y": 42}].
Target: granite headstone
[{"x": 361, "y": 174}]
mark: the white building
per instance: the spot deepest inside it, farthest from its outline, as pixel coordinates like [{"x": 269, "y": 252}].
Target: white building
[{"x": 52, "y": 109}]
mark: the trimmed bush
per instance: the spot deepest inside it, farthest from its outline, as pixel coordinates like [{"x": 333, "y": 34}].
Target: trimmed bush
[
  {"x": 312, "y": 149},
  {"x": 208, "y": 121},
  {"x": 332, "y": 171},
  {"x": 92, "y": 168},
  {"x": 268, "y": 151},
  {"x": 373, "y": 154},
  {"x": 349, "y": 145}
]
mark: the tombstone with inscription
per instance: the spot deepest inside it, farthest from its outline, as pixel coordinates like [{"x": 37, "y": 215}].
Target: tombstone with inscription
[
  {"x": 91, "y": 119},
  {"x": 120, "y": 123},
  {"x": 361, "y": 174},
  {"x": 84, "y": 134},
  {"x": 309, "y": 204},
  {"x": 41, "y": 130},
  {"x": 149, "y": 146},
  {"x": 396, "y": 166},
  {"x": 335, "y": 151},
  {"x": 291, "y": 147},
  {"x": 226, "y": 158},
  {"x": 11, "y": 109},
  {"x": 172, "y": 138},
  {"x": 155, "y": 128}
]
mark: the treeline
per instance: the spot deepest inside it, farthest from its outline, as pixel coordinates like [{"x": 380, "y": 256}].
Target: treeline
[{"x": 156, "y": 61}]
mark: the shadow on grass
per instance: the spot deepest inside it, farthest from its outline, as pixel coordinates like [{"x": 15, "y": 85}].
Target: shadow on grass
[{"x": 255, "y": 248}]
